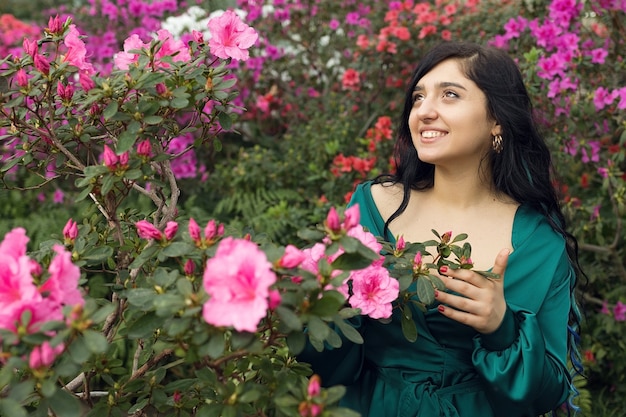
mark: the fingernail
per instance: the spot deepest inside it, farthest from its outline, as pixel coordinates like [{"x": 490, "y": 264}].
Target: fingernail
[
  {"x": 443, "y": 269},
  {"x": 436, "y": 293},
  {"x": 440, "y": 308}
]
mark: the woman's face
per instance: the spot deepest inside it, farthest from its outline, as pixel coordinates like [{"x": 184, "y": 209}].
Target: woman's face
[{"x": 449, "y": 122}]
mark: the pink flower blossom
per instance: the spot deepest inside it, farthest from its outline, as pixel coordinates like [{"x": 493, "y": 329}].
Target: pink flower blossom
[
  {"x": 237, "y": 281},
  {"x": 332, "y": 220},
  {"x": 292, "y": 257},
  {"x": 110, "y": 158},
  {"x": 315, "y": 386},
  {"x": 194, "y": 232},
  {"x": 76, "y": 51},
  {"x": 62, "y": 284},
  {"x": 124, "y": 59},
  {"x": 55, "y": 26},
  {"x": 598, "y": 55},
  {"x": 374, "y": 290},
  {"x": 230, "y": 37},
  {"x": 603, "y": 97},
  {"x": 352, "y": 216},
  {"x": 620, "y": 311},
  {"x": 170, "y": 47},
  {"x": 147, "y": 230},
  {"x": 144, "y": 149}
]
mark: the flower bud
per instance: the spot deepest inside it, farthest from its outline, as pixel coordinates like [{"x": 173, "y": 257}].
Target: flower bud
[
  {"x": 22, "y": 78},
  {"x": 210, "y": 231},
  {"x": 332, "y": 220},
  {"x": 170, "y": 230},
  {"x": 147, "y": 230},
  {"x": 144, "y": 149},
  {"x": 401, "y": 244},
  {"x": 197, "y": 36},
  {"x": 292, "y": 257},
  {"x": 42, "y": 64},
  {"x": 274, "y": 299},
  {"x": 445, "y": 238},
  {"x": 110, "y": 158},
  {"x": 123, "y": 160},
  {"x": 194, "y": 232},
  {"x": 70, "y": 232},
  {"x": 161, "y": 89},
  {"x": 315, "y": 386},
  {"x": 189, "y": 268},
  {"x": 54, "y": 25}
]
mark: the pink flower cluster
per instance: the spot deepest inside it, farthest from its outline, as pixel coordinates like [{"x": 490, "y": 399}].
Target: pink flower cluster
[
  {"x": 373, "y": 289},
  {"x": 29, "y": 298},
  {"x": 169, "y": 48}
]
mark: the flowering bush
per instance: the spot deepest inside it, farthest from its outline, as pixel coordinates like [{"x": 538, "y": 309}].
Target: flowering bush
[{"x": 320, "y": 88}]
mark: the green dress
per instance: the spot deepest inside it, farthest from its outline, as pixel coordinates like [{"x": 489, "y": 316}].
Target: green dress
[{"x": 451, "y": 370}]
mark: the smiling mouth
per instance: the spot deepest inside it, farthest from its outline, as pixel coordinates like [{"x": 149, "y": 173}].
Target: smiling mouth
[{"x": 429, "y": 134}]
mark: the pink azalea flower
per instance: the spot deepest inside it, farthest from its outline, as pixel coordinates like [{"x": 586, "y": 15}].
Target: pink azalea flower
[
  {"x": 373, "y": 291},
  {"x": 144, "y": 148},
  {"x": 292, "y": 257},
  {"x": 171, "y": 47},
  {"x": 332, "y": 220},
  {"x": 366, "y": 238},
  {"x": 313, "y": 255},
  {"x": 230, "y": 37},
  {"x": 62, "y": 284},
  {"x": 76, "y": 51},
  {"x": 21, "y": 78},
  {"x": 147, "y": 230},
  {"x": 189, "y": 267},
  {"x": 352, "y": 216},
  {"x": 110, "y": 158},
  {"x": 124, "y": 59},
  {"x": 237, "y": 280}
]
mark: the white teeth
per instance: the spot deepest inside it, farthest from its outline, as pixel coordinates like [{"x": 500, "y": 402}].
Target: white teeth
[{"x": 432, "y": 134}]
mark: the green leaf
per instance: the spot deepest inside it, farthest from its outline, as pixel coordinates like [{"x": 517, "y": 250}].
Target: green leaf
[
  {"x": 126, "y": 141},
  {"x": 425, "y": 291},
  {"x": 10, "y": 407},
  {"x": 210, "y": 410},
  {"x": 177, "y": 249},
  {"x": 95, "y": 341},
  {"x": 351, "y": 262},
  {"x": 310, "y": 235},
  {"x": 110, "y": 110},
  {"x": 296, "y": 341},
  {"x": 328, "y": 305},
  {"x": 179, "y": 103},
  {"x": 98, "y": 254},
  {"x": 437, "y": 282},
  {"x": 226, "y": 120},
  {"x": 348, "y": 331},
  {"x": 409, "y": 329},
  {"x": 289, "y": 318},
  {"x": 317, "y": 328},
  {"x": 153, "y": 120},
  {"x": 142, "y": 298},
  {"x": 145, "y": 326},
  {"x": 64, "y": 404},
  {"x": 459, "y": 237}
]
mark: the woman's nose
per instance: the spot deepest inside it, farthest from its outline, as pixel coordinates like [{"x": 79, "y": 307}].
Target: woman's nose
[{"x": 426, "y": 108}]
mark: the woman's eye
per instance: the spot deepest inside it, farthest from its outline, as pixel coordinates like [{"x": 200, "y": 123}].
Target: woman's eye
[
  {"x": 417, "y": 97},
  {"x": 450, "y": 94}
]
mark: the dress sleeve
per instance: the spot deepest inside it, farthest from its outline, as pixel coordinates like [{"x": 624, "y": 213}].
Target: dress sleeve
[{"x": 524, "y": 361}]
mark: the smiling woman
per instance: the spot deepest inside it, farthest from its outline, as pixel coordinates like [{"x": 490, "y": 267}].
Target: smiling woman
[{"x": 469, "y": 158}]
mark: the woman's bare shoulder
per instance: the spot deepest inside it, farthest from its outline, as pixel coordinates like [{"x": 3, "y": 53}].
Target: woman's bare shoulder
[{"x": 387, "y": 197}]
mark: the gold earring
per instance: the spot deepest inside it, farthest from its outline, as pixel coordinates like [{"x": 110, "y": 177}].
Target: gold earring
[{"x": 496, "y": 144}]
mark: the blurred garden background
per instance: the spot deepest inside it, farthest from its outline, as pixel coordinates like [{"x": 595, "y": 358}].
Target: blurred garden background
[{"x": 311, "y": 113}]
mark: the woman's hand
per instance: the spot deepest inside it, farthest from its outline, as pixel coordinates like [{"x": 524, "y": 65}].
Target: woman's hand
[{"x": 481, "y": 302}]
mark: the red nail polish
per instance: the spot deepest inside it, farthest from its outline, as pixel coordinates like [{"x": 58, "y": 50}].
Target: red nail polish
[
  {"x": 436, "y": 293},
  {"x": 440, "y": 308},
  {"x": 443, "y": 269}
]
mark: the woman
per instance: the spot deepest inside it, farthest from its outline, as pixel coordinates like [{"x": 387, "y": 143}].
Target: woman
[{"x": 470, "y": 160}]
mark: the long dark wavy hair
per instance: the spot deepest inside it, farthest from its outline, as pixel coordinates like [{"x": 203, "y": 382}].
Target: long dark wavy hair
[{"x": 522, "y": 170}]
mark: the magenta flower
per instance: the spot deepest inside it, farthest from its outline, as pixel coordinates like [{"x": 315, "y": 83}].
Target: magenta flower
[
  {"x": 230, "y": 37},
  {"x": 598, "y": 55},
  {"x": 619, "y": 311},
  {"x": 144, "y": 149},
  {"x": 170, "y": 230},
  {"x": 373, "y": 291},
  {"x": 55, "y": 26},
  {"x": 170, "y": 47},
  {"x": 189, "y": 267},
  {"x": 237, "y": 281},
  {"x": 147, "y": 230},
  {"x": 65, "y": 92}
]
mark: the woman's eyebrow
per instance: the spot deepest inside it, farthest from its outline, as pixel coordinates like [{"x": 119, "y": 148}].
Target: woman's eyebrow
[{"x": 443, "y": 84}]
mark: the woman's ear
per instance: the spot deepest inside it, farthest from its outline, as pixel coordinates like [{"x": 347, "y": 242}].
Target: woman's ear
[{"x": 497, "y": 130}]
